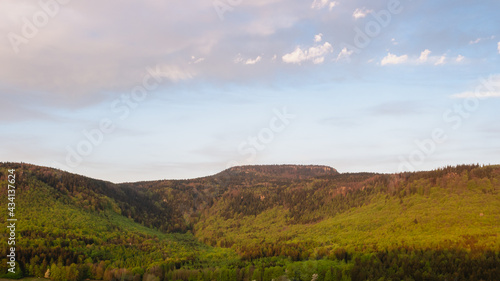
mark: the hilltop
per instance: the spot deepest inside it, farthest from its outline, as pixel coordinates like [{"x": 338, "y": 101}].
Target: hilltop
[{"x": 283, "y": 171}]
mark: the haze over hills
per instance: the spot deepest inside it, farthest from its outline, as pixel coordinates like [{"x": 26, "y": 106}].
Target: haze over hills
[{"x": 259, "y": 223}]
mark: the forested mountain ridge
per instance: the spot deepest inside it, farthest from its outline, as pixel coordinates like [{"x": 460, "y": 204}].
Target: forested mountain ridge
[
  {"x": 80, "y": 227},
  {"x": 290, "y": 221}
]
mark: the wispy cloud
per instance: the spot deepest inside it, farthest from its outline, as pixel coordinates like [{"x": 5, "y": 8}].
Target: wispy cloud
[
  {"x": 424, "y": 58},
  {"x": 344, "y": 54},
  {"x": 441, "y": 60},
  {"x": 332, "y": 5},
  {"x": 472, "y": 94},
  {"x": 238, "y": 59},
  {"x": 195, "y": 60},
  {"x": 174, "y": 73},
  {"x": 424, "y": 55},
  {"x": 498, "y": 46},
  {"x": 397, "y": 108},
  {"x": 361, "y": 13},
  {"x": 16, "y": 111},
  {"x": 253, "y": 61},
  {"x": 477, "y": 40},
  {"x": 489, "y": 88},
  {"x": 248, "y": 61},
  {"x": 320, "y": 4}
]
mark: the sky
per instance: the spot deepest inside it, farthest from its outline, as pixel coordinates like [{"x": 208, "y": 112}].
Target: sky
[{"x": 146, "y": 90}]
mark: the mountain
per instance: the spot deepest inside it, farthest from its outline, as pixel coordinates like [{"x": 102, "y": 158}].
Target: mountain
[
  {"x": 282, "y": 171},
  {"x": 281, "y": 222}
]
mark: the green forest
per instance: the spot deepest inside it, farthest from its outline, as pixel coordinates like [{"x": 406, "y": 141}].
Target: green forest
[{"x": 263, "y": 223}]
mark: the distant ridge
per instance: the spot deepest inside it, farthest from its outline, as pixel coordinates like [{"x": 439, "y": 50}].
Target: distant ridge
[{"x": 284, "y": 171}]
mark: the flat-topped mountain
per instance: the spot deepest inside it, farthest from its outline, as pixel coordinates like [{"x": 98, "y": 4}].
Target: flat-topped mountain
[{"x": 284, "y": 171}]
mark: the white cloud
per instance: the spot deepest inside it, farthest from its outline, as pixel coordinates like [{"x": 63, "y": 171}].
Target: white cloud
[
  {"x": 498, "y": 47},
  {"x": 315, "y": 54},
  {"x": 394, "y": 42},
  {"x": 318, "y": 38},
  {"x": 441, "y": 60},
  {"x": 459, "y": 58},
  {"x": 393, "y": 59},
  {"x": 344, "y": 54},
  {"x": 296, "y": 56},
  {"x": 424, "y": 55},
  {"x": 361, "y": 13},
  {"x": 489, "y": 88},
  {"x": 239, "y": 59},
  {"x": 253, "y": 61}
]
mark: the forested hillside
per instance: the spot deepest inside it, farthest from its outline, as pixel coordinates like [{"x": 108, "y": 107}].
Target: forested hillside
[{"x": 282, "y": 222}]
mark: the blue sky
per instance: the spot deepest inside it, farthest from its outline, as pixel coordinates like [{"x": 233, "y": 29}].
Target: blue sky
[{"x": 128, "y": 91}]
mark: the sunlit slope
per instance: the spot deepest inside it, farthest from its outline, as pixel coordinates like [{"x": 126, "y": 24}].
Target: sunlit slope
[{"x": 424, "y": 210}]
